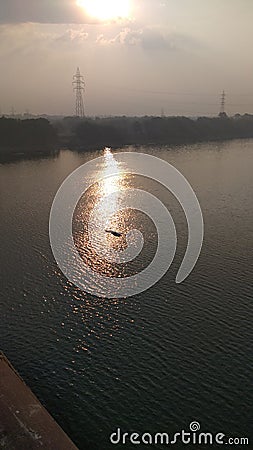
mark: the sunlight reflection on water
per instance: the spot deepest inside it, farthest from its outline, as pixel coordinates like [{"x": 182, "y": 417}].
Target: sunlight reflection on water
[{"x": 98, "y": 211}]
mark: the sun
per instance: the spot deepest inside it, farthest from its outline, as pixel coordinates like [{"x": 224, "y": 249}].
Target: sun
[{"x": 106, "y": 9}]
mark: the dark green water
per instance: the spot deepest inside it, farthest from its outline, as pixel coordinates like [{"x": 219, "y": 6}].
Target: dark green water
[{"x": 154, "y": 362}]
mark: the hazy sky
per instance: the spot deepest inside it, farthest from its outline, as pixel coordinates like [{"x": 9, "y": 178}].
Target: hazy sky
[{"x": 172, "y": 54}]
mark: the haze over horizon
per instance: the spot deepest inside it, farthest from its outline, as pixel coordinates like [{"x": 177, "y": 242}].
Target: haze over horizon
[{"x": 175, "y": 56}]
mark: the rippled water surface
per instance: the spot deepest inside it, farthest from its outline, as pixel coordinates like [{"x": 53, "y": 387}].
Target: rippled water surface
[{"x": 154, "y": 362}]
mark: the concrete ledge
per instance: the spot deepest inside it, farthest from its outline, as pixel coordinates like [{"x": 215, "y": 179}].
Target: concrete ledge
[{"x": 24, "y": 422}]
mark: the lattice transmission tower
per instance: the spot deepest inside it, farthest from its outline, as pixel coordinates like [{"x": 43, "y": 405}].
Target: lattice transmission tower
[
  {"x": 79, "y": 85},
  {"x": 222, "y": 105}
]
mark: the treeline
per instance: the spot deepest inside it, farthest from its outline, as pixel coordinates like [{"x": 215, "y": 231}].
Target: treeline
[
  {"x": 118, "y": 131},
  {"x": 28, "y": 135},
  {"x": 40, "y": 136}
]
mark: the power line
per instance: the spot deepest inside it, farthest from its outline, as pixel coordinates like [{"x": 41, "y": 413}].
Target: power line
[{"x": 178, "y": 93}]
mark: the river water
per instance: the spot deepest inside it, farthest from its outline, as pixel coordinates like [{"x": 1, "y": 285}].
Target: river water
[{"x": 153, "y": 362}]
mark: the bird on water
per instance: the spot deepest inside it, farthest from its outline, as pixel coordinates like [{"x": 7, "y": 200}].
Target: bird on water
[{"x": 114, "y": 233}]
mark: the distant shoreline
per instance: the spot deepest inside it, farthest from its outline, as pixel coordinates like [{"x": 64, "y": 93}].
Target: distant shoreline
[
  {"x": 86, "y": 134},
  {"x": 9, "y": 157},
  {"x": 38, "y": 138},
  {"x": 98, "y": 147}
]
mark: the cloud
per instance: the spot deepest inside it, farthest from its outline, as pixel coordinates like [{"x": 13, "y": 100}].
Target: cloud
[
  {"x": 151, "y": 39},
  {"x": 42, "y": 11},
  {"x": 73, "y": 36},
  {"x": 124, "y": 37},
  {"x": 21, "y": 40}
]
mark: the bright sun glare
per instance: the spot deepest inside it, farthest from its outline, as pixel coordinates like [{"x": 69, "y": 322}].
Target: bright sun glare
[{"x": 106, "y": 9}]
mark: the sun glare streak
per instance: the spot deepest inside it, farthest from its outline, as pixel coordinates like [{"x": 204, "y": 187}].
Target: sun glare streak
[
  {"x": 106, "y": 9},
  {"x": 106, "y": 207},
  {"x": 111, "y": 183}
]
